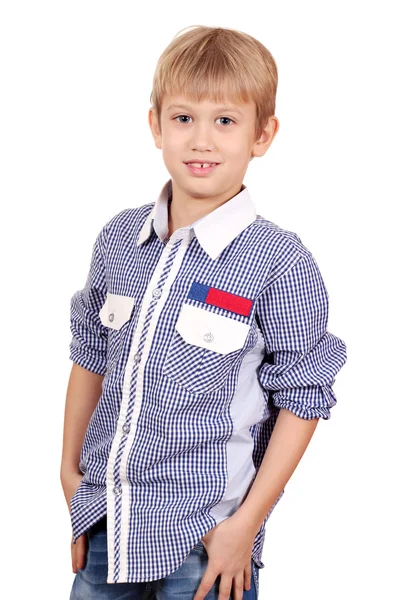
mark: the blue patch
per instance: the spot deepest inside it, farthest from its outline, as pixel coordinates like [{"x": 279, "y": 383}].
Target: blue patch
[{"x": 198, "y": 291}]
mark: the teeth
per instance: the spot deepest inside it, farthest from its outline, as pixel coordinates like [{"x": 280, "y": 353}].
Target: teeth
[{"x": 202, "y": 165}]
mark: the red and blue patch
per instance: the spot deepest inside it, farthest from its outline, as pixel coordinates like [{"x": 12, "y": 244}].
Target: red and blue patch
[{"x": 215, "y": 297}]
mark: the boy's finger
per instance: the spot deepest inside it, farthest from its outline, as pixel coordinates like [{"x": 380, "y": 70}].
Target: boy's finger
[
  {"x": 81, "y": 552},
  {"x": 209, "y": 577},
  {"x": 78, "y": 553},
  {"x": 247, "y": 578}
]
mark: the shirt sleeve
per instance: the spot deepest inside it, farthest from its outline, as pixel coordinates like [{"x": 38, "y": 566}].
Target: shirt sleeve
[
  {"x": 88, "y": 347},
  {"x": 303, "y": 357}
]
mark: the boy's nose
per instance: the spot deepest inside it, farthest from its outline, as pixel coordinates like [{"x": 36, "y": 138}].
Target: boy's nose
[{"x": 202, "y": 138}]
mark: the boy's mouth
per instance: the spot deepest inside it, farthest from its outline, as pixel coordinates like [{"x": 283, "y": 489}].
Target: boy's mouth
[
  {"x": 200, "y": 164},
  {"x": 201, "y": 168}
]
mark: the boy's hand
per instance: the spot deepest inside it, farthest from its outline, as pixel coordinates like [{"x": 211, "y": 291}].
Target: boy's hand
[
  {"x": 78, "y": 552},
  {"x": 70, "y": 483},
  {"x": 229, "y": 546}
]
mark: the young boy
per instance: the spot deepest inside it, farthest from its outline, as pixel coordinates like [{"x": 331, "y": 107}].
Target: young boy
[{"x": 202, "y": 362}]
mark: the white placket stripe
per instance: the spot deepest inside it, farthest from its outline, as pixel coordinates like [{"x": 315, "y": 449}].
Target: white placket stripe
[{"x": 130, "y": 410}]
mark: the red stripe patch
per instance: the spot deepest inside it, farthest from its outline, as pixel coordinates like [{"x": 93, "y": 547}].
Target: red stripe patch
[{"x": 232, "y": 302}]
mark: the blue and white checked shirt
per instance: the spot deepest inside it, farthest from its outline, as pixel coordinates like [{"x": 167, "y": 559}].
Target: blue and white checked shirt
[{"x": 192, "y": 387}]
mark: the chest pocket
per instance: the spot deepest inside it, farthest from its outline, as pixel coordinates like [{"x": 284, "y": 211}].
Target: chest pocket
[
  {"x": 115, "y": 314},
  {"x": 204, "y": 348}
]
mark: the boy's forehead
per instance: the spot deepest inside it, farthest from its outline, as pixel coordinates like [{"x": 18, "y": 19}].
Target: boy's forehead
[{"x": 171, "y": 102}]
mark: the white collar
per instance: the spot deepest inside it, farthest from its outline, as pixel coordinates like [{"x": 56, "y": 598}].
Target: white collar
[{"x": 214, "y": 231}]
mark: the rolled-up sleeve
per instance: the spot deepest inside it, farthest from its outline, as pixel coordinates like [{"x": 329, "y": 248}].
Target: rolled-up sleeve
[
  {"x": 88, "y": 347},
  {"x": 303, "y": 357}
]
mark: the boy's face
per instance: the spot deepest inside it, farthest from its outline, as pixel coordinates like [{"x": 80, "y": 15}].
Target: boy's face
[{"x": 208, "y": 132}]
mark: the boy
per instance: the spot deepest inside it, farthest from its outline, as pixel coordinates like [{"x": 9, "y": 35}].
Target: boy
[{"x": 199, "y": 342}]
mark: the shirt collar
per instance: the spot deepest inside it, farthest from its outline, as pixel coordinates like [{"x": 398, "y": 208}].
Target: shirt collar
[{"x": 214, "y": 231}]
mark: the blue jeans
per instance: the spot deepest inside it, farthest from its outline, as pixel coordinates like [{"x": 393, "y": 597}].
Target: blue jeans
[{"x": 90, "y": 583}]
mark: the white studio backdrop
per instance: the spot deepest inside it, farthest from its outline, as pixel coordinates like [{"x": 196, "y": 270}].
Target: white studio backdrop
[{"x": 76, "y": 148}]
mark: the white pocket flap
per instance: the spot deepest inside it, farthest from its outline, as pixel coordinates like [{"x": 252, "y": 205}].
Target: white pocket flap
[
  {"x": 116, "y": 310},
  {"x": 210, "y": 330}
]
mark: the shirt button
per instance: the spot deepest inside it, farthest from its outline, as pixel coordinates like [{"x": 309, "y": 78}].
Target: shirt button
[
  {"x": 111, "y": 317},
  {"x": 125, "y": 428},
  {"x": 137, "y": 357},
  {"x": 117, "y": 490},
  {"x": 208, "y": 337},
  {"x": 156, "y": 293}
]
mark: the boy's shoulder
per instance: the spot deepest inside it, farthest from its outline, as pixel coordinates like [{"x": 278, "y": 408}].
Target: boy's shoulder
[
  {"x": 128, "y": 217},
  {"x": 279, "y": 249},
  {"x": 279, "y": 238}
]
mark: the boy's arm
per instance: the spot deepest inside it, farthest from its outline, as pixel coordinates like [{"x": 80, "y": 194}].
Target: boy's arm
[
  {"x": 83, "y": 393},
  {"x": 288, "y": 442},
  {"x": 88, "y": 351},
  {"x": 299, "y": 373}
]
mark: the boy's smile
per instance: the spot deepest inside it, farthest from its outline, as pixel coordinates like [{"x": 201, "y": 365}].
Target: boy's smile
[
  {"x": 200, "y": 168},
  {"x": 204, "y": 133}
]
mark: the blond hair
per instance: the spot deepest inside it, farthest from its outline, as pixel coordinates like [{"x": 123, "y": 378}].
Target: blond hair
[{"x": 217, "y": 64}]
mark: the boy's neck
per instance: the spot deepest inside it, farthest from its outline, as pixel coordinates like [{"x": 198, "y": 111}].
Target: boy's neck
[{"x": 183, "y": 210}]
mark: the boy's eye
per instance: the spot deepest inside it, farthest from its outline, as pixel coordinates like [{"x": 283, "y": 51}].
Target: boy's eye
[{"x": 187, "y": 117}]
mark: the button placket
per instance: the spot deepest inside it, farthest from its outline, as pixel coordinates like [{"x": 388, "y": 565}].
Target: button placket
[{"x": 160, "y": 279}]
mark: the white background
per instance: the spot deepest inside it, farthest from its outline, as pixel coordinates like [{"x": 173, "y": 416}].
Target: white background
[{"x": 76, "y": 148}]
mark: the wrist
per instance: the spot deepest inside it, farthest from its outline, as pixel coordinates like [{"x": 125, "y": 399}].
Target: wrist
[{"x": 247, "y": 520}]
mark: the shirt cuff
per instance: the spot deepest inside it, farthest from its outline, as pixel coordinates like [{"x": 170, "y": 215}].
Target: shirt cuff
[{"x": 92, "y": 362}]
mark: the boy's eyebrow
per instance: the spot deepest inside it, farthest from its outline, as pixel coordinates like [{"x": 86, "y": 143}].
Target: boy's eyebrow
[{"x": 219, "y": 109}]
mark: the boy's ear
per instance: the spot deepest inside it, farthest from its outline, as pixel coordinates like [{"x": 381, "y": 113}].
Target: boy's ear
[
  {"x": 266, "y": 138},
  {"x": 155, "y": 127}
]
